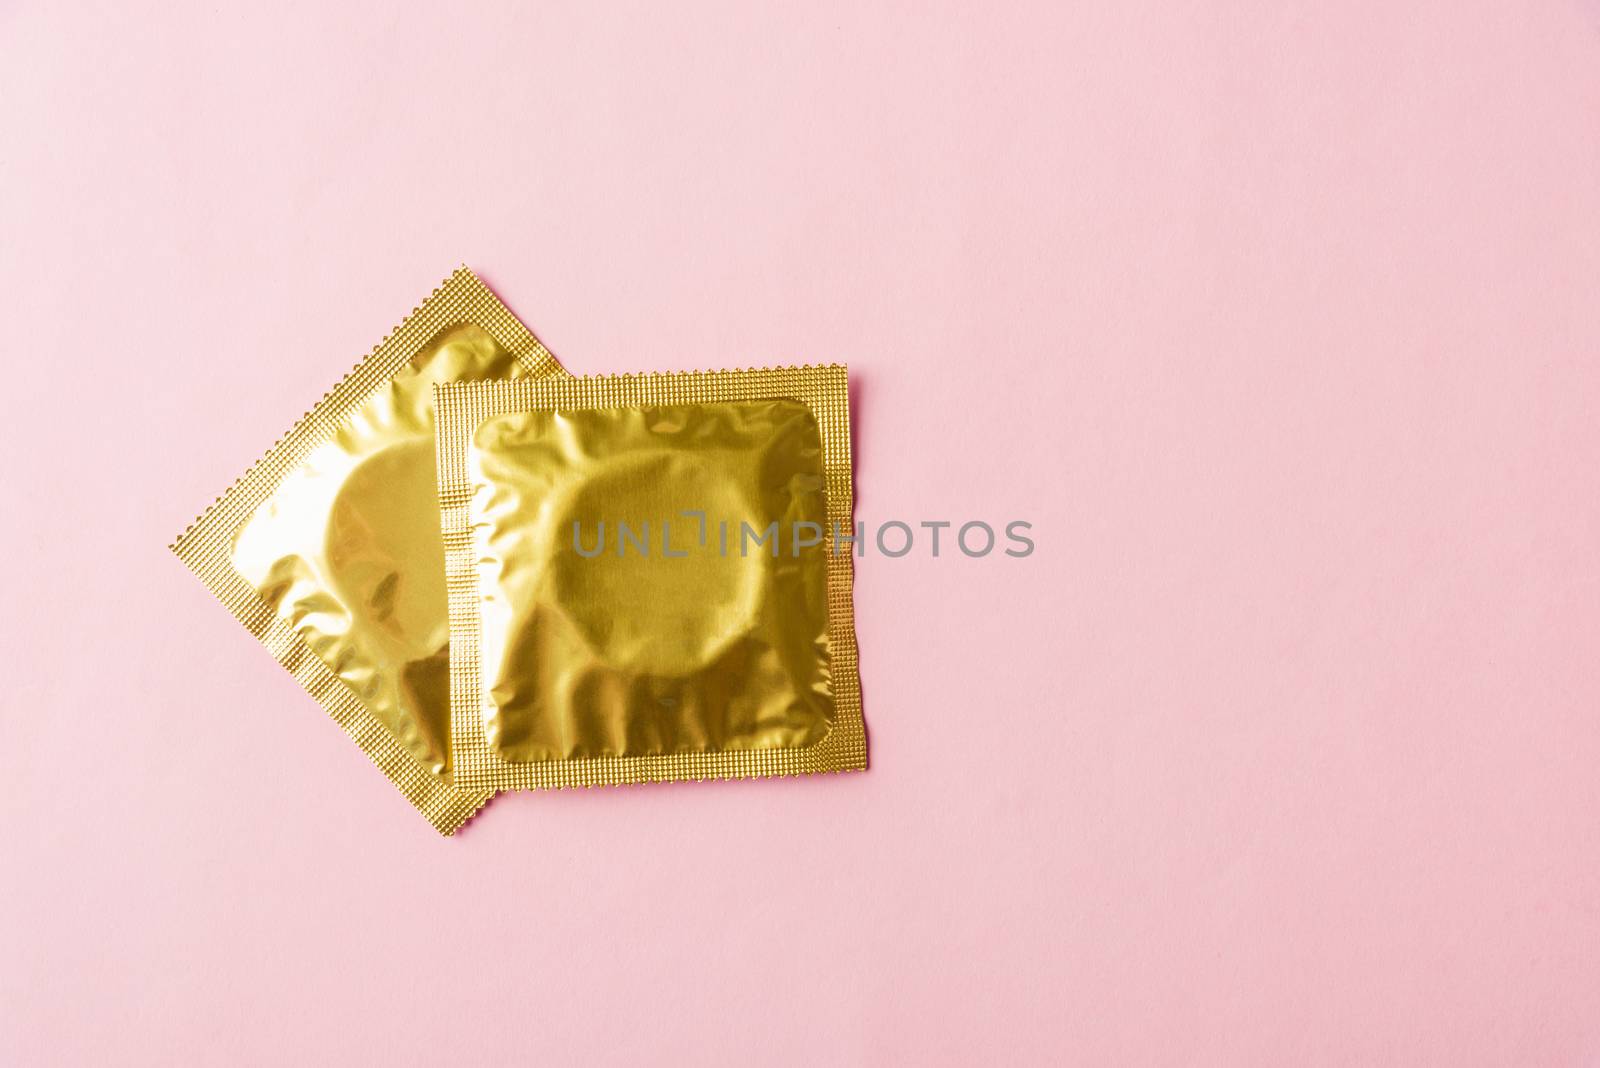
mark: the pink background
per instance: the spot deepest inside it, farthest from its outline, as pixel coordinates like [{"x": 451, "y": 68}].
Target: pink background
[{"x": 1280, "y": 323}]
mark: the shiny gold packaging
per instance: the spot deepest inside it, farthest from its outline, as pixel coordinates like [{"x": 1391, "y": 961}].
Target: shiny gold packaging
[
  {"x": 612, "y": 617},
  {"x": 328, "y": 549}
]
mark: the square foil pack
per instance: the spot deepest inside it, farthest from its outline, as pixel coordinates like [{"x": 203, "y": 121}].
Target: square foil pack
[
  {"x": 649, "y": 577},
  {"x": 328, "y": 548}
]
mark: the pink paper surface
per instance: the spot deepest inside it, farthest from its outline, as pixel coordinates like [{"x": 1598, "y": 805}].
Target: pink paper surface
[{"x": 1280, "y": 323}]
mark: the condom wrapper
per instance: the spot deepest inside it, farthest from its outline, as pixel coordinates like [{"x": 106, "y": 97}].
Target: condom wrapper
[
  {"x": 650, "y": 577},
  {"x": 328, "y": 549}
]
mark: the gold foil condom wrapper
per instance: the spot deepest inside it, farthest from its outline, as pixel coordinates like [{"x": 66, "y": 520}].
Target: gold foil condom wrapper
[
  {"x": 328, "y": 549},
  {"x": 644, "y": 582}
]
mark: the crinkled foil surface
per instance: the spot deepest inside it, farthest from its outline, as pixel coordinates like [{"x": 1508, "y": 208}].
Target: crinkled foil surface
[
  {"x": 347, "y": 551},
  {"x": 628, "y": 609}
]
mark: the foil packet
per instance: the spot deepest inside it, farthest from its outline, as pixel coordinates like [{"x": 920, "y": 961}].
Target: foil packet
[
  {"x": 328, "y": 549},
  {"x": 649, "y": 577}
]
